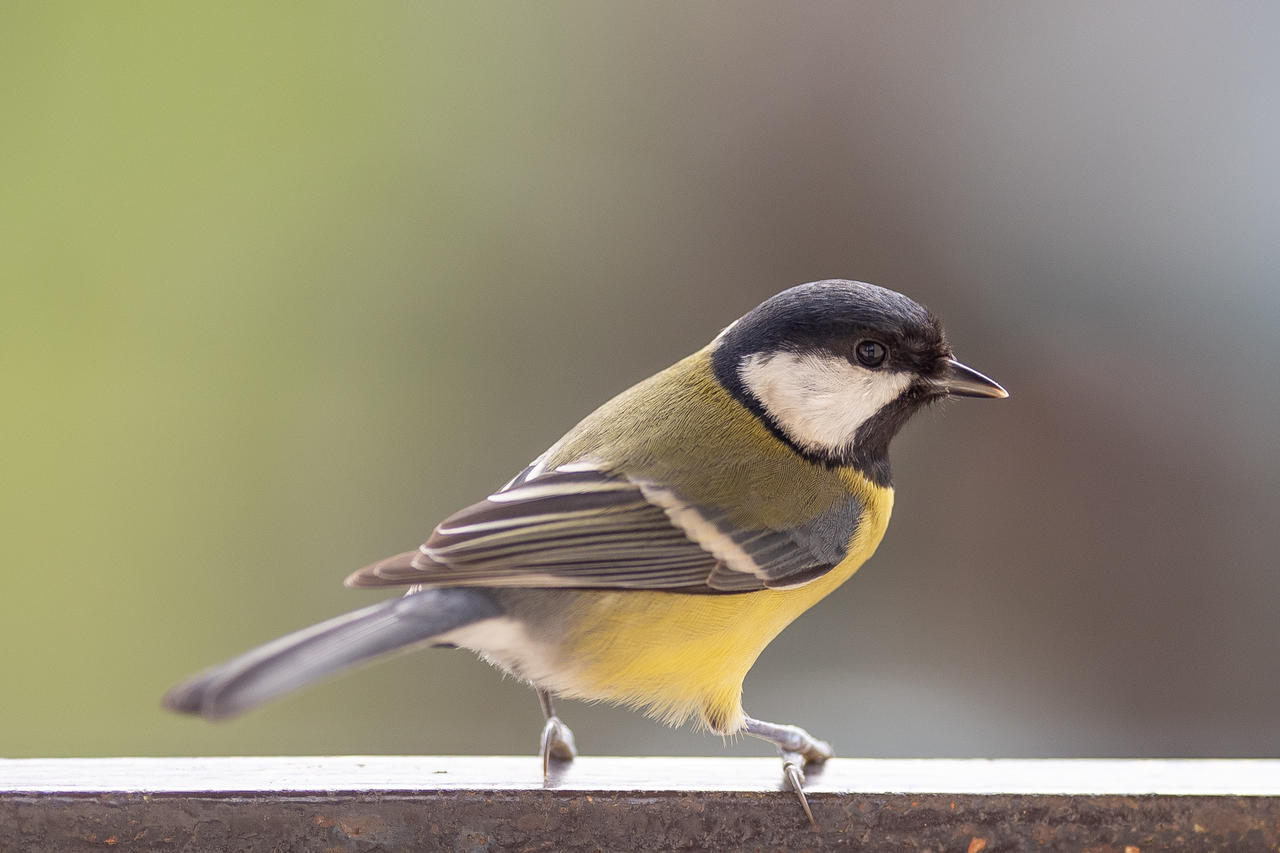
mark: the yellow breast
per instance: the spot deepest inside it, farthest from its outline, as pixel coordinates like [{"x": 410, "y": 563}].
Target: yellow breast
[{"x": 676, "y": 655}]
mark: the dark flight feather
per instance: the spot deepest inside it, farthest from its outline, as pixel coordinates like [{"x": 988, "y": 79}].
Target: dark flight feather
[{"x": 588, "y": 529}]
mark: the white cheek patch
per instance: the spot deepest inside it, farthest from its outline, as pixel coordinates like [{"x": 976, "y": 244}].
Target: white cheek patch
[{"x": 819, "y": 401}]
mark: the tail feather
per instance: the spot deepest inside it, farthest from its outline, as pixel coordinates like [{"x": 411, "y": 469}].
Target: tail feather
[{"x": 313, "y": 653}]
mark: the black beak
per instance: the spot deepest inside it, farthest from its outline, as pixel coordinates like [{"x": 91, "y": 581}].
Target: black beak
[{"x": 961, "y": 381}]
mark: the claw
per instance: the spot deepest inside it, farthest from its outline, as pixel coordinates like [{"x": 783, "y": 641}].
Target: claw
[
  {"x": 797, "y": 748},
  {"x": 795, "y": 777},
  {"x": 557, "y": 743}
]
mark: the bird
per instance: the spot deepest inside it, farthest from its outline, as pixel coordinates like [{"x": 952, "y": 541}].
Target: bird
[{"x": 648, "y": 557}]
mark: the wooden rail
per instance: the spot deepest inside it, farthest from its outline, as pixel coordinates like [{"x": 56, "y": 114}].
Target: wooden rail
[{"x": 500, "y": 803}]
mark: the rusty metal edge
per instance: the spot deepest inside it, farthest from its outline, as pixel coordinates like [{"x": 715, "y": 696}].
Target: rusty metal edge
[{"x": 551, "y": 820}]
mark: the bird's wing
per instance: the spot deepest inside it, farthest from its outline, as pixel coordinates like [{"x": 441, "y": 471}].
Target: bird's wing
[{"x": 584, "y": 528}]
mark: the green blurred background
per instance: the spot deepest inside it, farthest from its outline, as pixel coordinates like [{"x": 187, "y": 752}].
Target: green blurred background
[{"x": 284, "y": 285}]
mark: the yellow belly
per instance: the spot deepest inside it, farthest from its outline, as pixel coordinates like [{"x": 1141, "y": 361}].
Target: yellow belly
[{"x": 675, "y": 655}]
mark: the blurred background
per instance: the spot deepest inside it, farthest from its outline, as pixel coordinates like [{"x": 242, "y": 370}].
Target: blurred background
[{"x": 282, "y": 286}]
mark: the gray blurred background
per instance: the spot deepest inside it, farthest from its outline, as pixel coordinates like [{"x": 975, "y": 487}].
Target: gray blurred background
[{"x": 283, "y": 286}]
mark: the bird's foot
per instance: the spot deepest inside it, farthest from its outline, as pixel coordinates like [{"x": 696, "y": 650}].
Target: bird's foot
[
  {"x": 797, "y": 749},
  {"x": 557, "y": 743}
]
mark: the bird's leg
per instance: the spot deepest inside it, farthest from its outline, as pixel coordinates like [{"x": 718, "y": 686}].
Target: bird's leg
[
  {"x": 797, "y": 748},
  {"x": 557, "y": 740}
]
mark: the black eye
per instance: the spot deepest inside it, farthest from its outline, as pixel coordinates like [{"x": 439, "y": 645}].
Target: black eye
[{"x": 870, "y": 353}]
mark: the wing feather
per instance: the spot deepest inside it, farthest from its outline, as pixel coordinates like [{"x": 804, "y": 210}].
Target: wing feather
[{"x": 585, "y": 528}]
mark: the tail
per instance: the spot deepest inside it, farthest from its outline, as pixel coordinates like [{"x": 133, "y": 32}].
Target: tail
[{"x": 321, "y": 650}]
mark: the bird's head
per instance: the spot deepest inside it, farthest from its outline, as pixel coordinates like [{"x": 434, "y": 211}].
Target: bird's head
[{"x": 835, "y": 368}]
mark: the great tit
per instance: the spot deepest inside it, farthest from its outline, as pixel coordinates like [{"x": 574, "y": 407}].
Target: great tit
[{"x": 650, "y": 555}]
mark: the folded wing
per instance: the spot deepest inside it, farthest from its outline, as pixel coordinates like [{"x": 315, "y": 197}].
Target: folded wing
[{"x": 594, "y": 530}]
